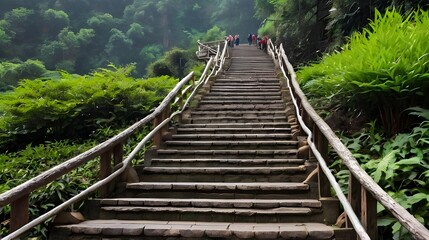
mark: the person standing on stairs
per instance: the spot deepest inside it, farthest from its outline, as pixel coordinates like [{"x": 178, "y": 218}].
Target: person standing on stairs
[{"x": 237, "y": 40}]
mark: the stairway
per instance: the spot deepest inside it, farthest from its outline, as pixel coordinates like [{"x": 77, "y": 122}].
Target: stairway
[{"x": 230, "y": 170}]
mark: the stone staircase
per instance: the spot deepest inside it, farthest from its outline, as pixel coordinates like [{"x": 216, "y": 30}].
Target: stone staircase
[{"x": 231, "y": 170}]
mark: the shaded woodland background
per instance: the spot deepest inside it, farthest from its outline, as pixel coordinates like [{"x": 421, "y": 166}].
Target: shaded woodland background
[{"x": 81, "y": 35}]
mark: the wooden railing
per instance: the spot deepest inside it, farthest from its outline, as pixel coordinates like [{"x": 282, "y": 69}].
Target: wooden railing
[
  {"x": 108, "y": 152},
  {"x": 209, "y": 49},
  {"x": 364, "y": 193}
]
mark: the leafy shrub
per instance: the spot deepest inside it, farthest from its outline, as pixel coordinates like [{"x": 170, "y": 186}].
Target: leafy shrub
[
  {"x": 380, "y": 72},
  {"x": 40, "y": 110},
  {"x": 11, "y": 73},
  {"x": 176, "y": 62},
  {"x": 18, "y": 167},
  {"x": 400, "y": 166}
]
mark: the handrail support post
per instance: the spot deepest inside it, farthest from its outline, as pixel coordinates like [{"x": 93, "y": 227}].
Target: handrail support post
[{"x": 19, "y": 215}]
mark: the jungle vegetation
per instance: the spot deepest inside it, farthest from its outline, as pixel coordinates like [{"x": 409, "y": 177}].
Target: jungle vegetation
[{"x": 71, "y": 78}]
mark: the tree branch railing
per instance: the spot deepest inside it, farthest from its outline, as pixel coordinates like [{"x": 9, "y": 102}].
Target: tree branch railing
[
  {"x": 112, "y": 149},
  {"x": 364, "y": 192}
]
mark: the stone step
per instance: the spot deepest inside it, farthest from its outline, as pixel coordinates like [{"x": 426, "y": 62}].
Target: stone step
[
  {"x": 155, "y": 230},
  {"x": 226, "y": 153},
  {"x": 249, "y": 81},
  {"x": 224, "y": 174},
  {"x": 231, "y": 145},
  {"x": 206, "y": 162},
  {"x": 213, "y": 203},
  {"x": 250, "y": 106},
  {"x": 236, "y": 137},
  {"x": 244, "y": 119},
  {"x": 246, "y": 84},
  {"x": 241, "y": 101},
  {"x": 221, "y": 190},
  {"x": 239, "y": 113},
  {"x": 267, "y": 98},
  {"x": 244, "y": 89},
  {"x": 274, "y": 215},
  {"x": 239, "y": 125},
  {"x": 244, "y": 94},
  {"x": 233, "y": 132}
]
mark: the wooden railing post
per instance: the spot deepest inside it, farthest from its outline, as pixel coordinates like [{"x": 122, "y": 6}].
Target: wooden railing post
[
  {"x": 157, "y": 137},
  {"x": 118, "y": 154},
  {"x": 369, "y": 213},
  {"x": 354, "y": 197},
  {"x": 165, "y": 114},
  {"x": 322, "y": 146},
  {"x": 105, "y": 170},
  {"x": 19, "y": 215},
  {"x": 180, "y": 103}
]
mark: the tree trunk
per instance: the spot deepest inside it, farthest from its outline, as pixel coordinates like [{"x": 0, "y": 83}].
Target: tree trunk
[{"x": 166, "y": 37}]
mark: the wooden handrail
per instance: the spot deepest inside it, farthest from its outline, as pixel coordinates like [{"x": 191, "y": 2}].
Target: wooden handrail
[{"x": 370, "y": 189}]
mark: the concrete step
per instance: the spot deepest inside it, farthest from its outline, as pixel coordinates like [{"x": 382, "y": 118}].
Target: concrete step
[
  {"x": 156, "y": 230},
  {"x": 225, "y": 174},
  {"x": 233, "y": 137},
  {"x": 205, "y": 162},
  {"x": 233, "y": 154},
  {"x": 197, "y": 113},
  {"x": 231, "y": 145}
]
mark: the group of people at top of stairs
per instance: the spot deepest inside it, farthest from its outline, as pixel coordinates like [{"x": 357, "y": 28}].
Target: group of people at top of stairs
[{"x": 252, "y": 39}]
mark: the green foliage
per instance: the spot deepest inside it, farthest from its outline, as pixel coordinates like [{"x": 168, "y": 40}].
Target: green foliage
[
  {"x": 380, "y": 72},
  {"x": 400, "y": 166},
  {"x": 176, "y": 62},
  {"x": 55, "y": 21},
  {"x": 267, "y": 29},
  {"x": 102, "y": 22},
  {"x": 17, "y": 19},
  {"x": 12, "y": 73},
  {"x": 62, "y": 53},
  {"x": 16, "y": 168},
  {"x": 118, "y": 46},
  {"x": 136, "y": 32},
  {"x": 213, "y": 34},
  {"x": 39, "y": 110},
  {"x": 4, "y": 38}
]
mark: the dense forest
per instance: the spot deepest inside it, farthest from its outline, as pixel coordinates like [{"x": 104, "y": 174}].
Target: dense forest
[
  {"x": 75, "y": 72},
  {"x": 79, "y": 36}
]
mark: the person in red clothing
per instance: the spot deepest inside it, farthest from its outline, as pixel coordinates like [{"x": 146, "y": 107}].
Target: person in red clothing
[{"x": 262, "y": 44}]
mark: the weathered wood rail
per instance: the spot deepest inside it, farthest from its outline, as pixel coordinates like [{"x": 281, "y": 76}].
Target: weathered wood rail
[
  {"x": 109, "y": 153},
  {"x": 364, "y": 192},
  {"x": 209, "y": 49}
]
